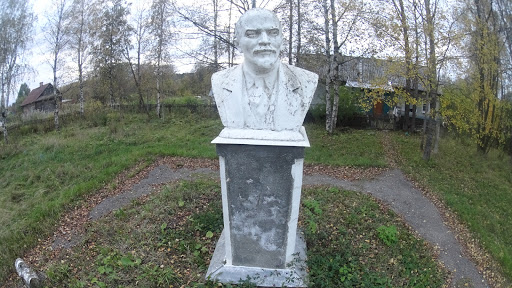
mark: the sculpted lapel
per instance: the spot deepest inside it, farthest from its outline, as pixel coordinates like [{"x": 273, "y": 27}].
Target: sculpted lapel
[
  {"x": 288, "y": 100},
  {"x": 228, "y": 96}
]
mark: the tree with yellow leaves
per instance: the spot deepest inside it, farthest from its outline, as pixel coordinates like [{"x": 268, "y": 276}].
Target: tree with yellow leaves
[{"x": 475, "y": 106}]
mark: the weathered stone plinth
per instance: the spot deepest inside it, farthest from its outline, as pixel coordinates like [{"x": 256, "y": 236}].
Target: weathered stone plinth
[
  {"x": 261, "y": 189},
  {"x": 293, "y": 275}
]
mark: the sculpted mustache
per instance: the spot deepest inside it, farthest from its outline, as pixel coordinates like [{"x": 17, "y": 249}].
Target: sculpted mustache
[{"x": 258, "y": 51}]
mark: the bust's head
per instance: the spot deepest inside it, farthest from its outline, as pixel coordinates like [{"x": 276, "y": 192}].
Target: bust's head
[{"x": 258, "y": 35}]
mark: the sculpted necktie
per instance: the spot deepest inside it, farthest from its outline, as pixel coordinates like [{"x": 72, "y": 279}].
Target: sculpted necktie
[{"x": 259, "y": 95}]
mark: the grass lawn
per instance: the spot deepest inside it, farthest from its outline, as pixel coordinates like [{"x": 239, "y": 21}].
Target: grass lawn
[
  {"x": 42, "y": 175},
  {"x": 478, "y": 188},
  {"x": 351, "y": 148}
]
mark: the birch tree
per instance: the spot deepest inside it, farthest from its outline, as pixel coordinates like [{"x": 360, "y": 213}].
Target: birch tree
[
  {"x": 56, "y": 37},
  {"x": 16, "y": 21},
  {"x": 215, "y": 6},
  {"x": 309, "y": 30},
  {"x": 404, "y": 26},
  {"x": 440, "y": 36},
  {"x": 416, "y": 80},
  {"x": 478, "y": 104},
  {"x": 140, "y": 31},
  {"x": 111, "y": 38},
  {"x": 230, "y": 37},
  {"x": 335, "y": 62},
  {"x": 396, "y": 26},
  {"x": 504, "y": 10},
  {"x": 290, "y": 35},
  {"x": 485, "y": 51},
  {"x": 161, "y": 12},
  {"x": 328, "y": 96},
  {"x": 422, "y": 42},
  {"x": 291, "y": 14},
  {"x": 80, "y": 40},
  {"x": 505, "y": 13},
  {"x": 299, "y": 34},
  {"x": 216, "y": 38},
  {"x": 431, "y": 81},
  {"x": 349, "y": 15}
]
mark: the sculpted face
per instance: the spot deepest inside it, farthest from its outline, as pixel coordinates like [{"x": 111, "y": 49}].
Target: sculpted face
[{"x": 260, "y": 39}]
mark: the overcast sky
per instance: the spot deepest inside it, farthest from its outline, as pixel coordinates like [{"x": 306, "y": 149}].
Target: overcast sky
[{"x": 35, "y": 57}]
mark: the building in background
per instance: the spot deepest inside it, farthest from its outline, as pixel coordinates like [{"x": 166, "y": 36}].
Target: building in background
[{"x": 41, "y": 99}]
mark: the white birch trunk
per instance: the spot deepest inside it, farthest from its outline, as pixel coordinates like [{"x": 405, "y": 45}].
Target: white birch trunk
[
  {"x": 158, "y": 75},
  {"x": 438, "y": 127},
  {"x": 29, "y": 276},
  {"x": 328, "y": 80}
]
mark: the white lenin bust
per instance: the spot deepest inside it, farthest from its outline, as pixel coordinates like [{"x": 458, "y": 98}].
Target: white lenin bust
[{"x": 262, "y": 93}]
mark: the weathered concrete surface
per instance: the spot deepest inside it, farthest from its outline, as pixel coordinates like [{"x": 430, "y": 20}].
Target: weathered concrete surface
[
  {"x": 293, "y": 275},
  {"x": 418, "y": 211},
  {"x": 259, "y": 192}
]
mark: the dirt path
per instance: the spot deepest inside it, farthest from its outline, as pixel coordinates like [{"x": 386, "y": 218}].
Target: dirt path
[
  {"x": 418, "y": 211},
  {"x": 390, "y": 186}
]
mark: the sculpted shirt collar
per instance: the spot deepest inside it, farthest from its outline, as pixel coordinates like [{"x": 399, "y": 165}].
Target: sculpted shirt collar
[{"x": 269, "y": 79}]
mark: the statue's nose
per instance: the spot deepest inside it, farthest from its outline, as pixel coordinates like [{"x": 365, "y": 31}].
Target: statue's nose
[{"x": 264, "y": 38}]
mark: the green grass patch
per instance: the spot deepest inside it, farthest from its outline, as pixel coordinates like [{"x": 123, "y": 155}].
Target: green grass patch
[
  {"x": 356, "y": 148},
  {"x": 357, "y": 243},
  {"x": 42, "y": 174},
  {"x": 168, "y": 240},
  {"x": 478, "y": 188}
]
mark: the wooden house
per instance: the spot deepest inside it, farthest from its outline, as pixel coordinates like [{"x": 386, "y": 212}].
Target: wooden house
[
  {"x": 366, "y": 74},
  {"x": 41, "y": 99}
]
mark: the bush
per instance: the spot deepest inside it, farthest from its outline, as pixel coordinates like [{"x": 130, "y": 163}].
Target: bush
[
  {"x": 186, "y": 100},
  {"x": 348, "y": 107},
  {"x": 316, "y": 113}
]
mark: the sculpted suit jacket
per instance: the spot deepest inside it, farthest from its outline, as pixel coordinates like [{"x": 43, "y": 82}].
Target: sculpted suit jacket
[{"x": 296, "y": 89}]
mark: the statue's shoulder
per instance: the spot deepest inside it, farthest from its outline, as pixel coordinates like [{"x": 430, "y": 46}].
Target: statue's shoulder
[
  {"x": 225, "y": 80},
  {"x": 306, "y": 78},
  {"x": 301, "y": 74},
  {"x": 225, "y": 74}
]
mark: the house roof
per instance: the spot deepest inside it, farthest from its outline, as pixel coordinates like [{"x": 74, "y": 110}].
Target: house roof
[
  {"x": 34, "y": 95},
  {"x": 377, "y": 73},
  {"x": 366, "y": 73}
]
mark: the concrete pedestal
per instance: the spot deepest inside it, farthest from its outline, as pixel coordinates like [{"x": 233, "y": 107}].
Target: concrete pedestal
[
  {"x": 294, "y": 275},
  {"x": 261, "y": 189}
]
